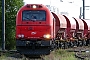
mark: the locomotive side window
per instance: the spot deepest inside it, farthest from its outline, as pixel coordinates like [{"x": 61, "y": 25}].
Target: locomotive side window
[{"x": 39, "y": 15}]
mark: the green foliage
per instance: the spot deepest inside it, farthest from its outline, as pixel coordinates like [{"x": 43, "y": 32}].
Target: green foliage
[
  {"x": 11, "y": 8},
  {"x": 65, "y": 55},
  {"x": 61, "y": 54}
]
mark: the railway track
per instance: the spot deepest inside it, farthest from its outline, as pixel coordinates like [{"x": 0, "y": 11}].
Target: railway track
[
  {"x": 81, "y": 53},
  {"x": 33, "y": 58},
  {"x": 14, "y": 55}
]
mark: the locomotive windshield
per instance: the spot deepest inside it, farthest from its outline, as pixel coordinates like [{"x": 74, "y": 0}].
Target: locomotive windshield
[{"x": 39, "y": 15}]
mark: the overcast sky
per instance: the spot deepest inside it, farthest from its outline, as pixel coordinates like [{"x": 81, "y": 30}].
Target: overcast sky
[{"x": 70, "y": 6}]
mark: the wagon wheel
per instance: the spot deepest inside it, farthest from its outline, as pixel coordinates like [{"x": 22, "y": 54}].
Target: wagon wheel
[
  {"x": 65, "y": 45},
  {"x": 80, "y": 43},
  {"x": 84, "y": 43},
  {"x": 61, "y": 45}
]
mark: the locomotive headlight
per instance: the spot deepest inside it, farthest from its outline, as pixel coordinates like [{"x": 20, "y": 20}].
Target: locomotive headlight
[
  {"x": 21, "y": 36},
  {"x": 34, "y": 6},
  {"x": 47, "y": 36}
]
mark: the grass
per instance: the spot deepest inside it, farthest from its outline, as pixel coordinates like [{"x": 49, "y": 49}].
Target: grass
[
  {"x": 7, "y": 56},
  {"x": 61, "y": 54},
  {"x": 3, "y": 57},
  {"x": 65, "y": 55}
]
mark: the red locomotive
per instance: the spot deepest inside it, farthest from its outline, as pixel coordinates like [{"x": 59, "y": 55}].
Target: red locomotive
[
  {"x": 35, "y": 30},
  {"x": 39, "y": 31}
]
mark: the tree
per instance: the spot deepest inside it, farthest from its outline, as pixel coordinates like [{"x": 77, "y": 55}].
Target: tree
[{"x": 11, "y": 8}]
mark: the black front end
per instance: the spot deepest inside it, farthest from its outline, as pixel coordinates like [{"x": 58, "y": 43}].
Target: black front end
[{"x": 32, "y": 47}]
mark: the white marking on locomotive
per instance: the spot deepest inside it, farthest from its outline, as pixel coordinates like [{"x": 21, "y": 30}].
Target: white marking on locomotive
[{"x": 33, "y": 33}]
